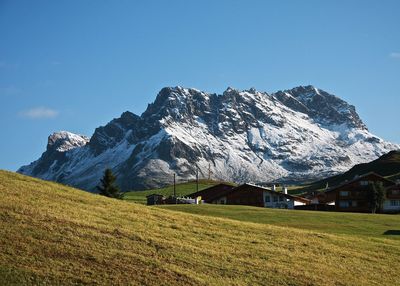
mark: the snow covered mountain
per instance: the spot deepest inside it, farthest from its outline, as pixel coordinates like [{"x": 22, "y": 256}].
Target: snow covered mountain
[{"x": 298, "y": 134}]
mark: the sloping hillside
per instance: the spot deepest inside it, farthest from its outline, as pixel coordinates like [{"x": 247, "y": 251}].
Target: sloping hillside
[{"x": 54, "y": 234}]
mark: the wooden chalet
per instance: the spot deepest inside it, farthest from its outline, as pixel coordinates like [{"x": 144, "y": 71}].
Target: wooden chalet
[
  {"x": 250, "y": 195},
  {"x": 211, "y": 194},
  {"x": 392, "y": 202},
  {"x": 352, "y": 196}
]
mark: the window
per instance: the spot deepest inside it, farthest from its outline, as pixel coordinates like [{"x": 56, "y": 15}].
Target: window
[
  {"x": 275, "y": 199},
  {"x": 348, "y": 204},
  {"x": 267, "y": 198},
  {"x": 280, "y": 198},
  {"x": 394, "y": 203},
  {"x": 344, "y": 193},
  {"x": 395, "y": 192},
  {"x": 344, "y": 204},
  {"x": 363, "y": 183}
]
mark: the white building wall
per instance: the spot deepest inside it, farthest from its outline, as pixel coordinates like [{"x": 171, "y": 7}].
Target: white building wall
[
  {"x": 280, "y": 203},
  {"x": 297, "y": 203}
]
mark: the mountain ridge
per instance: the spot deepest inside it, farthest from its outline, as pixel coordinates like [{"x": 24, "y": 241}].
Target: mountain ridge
[
  {"x": 248, "y": 135},
  {"x": 387, "y": 165}
]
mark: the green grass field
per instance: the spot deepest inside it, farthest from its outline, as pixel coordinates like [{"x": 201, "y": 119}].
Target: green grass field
[
  {"x": 181, "y": 190},
  {"x": 355, "y": 224},
  {"x": 51, "y": 234}
]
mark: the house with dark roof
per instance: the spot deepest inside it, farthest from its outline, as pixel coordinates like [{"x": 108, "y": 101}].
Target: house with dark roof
[
  {"x": 211, "y": 194},
  {"x": 155, "y": 199},
  {"x": 352, "y": 196},
  {"x": 392, "y": 202},
  {"x": 250, "y": 195}
]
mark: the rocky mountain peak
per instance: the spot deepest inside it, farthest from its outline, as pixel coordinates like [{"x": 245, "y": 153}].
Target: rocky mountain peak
[
  {"x": 323, "y": 107},
  {"x": 239, "y": 136},
  {"x": 127, "y": 118},
  {"x": 252, "y": 90},
  {"x": 115, "y": 131},
  {"x": 176, "y": 103},
  {"x": 230, "y": 89},
  {"x": 303, "y": 89},
  {"x": 63, "y": 141}
]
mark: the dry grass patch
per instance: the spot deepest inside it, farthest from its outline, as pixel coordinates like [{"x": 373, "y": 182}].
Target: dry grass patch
[{"x": 58, "y": 235}]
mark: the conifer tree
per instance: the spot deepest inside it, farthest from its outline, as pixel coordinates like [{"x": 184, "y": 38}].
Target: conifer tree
[
  {"x": 376, "y": 196},
  {"x": 108, "y": 187}
]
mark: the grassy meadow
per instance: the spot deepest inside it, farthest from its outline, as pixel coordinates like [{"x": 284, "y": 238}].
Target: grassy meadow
[
  {"x": 51, "y": 234},
  {"x": 355, "y": 224}
]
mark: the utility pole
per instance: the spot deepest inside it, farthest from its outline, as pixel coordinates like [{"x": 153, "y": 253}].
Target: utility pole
[
  {"x": 197, "y": 179},
  {"x": 174, "y": 187}
]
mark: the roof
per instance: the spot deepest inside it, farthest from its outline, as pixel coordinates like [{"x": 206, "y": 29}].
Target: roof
[
  {"x": 261, "y": 188},
  {"x": 154, "y": 195},
  {"x": 359, "y": 178},
  {"x": 299, "y": 199},
  {"x": 213, "y": 192}
]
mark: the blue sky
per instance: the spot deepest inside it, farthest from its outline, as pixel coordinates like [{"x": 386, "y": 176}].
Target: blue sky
[{"x": 75, "y": 65}]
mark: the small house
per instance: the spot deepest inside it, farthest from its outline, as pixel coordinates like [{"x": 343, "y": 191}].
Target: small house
[
  {"x": 211, "y": 194},
  {"x": 251, "y": 195},
  {"x": 155, "y": 199}
]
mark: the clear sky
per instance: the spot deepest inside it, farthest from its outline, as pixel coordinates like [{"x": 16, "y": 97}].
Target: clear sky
[{"x": 75, "y": 65}]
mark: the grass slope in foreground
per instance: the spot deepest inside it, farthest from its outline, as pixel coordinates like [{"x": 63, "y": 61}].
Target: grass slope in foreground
[
  {"x": 54, "y": 234},
  {"x": 363, "y": 225}
]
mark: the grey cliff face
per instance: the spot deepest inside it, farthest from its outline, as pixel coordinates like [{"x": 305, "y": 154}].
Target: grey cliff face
[
  {"x": 320, "y": 105},
  {"x": 59, "y": 143},
  {"x": 296, "y": 134}
]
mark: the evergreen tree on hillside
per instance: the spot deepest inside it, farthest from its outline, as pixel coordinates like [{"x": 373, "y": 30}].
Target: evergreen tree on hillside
[
  {"x": 376, "y": 196},
  {"x": 108, "y": 187}
]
